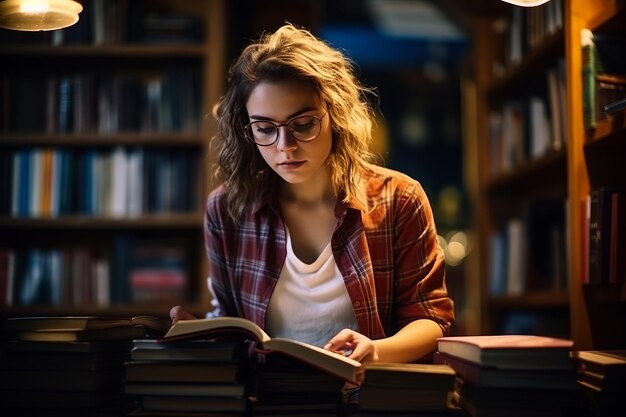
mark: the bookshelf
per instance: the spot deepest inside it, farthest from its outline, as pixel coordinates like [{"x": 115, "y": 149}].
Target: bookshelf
[
  {"x": 104, "y": 140},
  {"x": 518, "y": 53}
]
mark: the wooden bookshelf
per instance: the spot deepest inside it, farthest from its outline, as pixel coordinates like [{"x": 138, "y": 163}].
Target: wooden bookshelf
[
  {"x": 145, "y": 57},
  {"x": 528, "y": 176},
  {"x": 143, "y": 139},
  {"x": 101, "y": 52},
  {"x": 588, "y": 159},
  {"x": 190, "y": 221}
]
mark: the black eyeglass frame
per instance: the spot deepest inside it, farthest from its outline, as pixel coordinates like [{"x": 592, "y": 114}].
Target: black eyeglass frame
[{"x": 250, "y": 137}]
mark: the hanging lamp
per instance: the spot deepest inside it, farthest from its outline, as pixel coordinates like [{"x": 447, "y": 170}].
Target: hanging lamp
[
  {"x": 527, "y": 3},
  {"x": 36, "y": 15}
]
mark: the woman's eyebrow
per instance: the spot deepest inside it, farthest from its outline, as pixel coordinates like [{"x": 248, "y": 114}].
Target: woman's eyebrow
[{"x": 291, "y": 116}]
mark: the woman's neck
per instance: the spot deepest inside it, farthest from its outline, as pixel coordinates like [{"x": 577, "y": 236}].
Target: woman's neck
[{"x": 315, "y": 191}]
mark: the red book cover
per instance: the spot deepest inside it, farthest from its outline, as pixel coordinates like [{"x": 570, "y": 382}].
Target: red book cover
[{"x": 510, "y": 351}]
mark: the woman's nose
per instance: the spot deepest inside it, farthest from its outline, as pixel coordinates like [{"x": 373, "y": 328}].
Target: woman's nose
[{"x": 286, "y": 141}]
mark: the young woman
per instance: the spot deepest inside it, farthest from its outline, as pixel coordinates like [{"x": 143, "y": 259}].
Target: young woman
[{"x": 306, "y": 236}]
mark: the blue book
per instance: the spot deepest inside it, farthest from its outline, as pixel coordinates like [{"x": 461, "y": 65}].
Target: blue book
[{"x": 24, "y": 182}]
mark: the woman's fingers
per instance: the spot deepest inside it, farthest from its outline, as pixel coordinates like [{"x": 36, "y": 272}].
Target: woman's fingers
[{"x": 179, "y": 313}]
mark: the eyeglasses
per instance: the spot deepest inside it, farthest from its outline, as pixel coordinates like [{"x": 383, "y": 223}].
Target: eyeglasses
[{"x": 302, "y": 128}]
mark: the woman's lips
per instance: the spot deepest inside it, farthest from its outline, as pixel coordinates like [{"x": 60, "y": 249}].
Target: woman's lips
[{"x": 291, "y": 164}]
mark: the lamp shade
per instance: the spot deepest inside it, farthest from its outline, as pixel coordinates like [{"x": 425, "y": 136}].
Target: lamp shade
[
  {"x": 36, "y": 15},
  {"x": 527, "y": 3}
]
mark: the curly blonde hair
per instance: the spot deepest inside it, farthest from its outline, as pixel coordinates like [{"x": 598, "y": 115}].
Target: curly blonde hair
[{"x": 292, "y": 53}]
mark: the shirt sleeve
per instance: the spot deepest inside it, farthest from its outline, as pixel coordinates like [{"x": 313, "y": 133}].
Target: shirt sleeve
[
  {"x": 420, "y": 288},
  {"x": 218, "y": 281}
]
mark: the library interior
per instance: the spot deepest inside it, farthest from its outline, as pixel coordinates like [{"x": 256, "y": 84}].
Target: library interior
[{"x": 511, "y": 115}]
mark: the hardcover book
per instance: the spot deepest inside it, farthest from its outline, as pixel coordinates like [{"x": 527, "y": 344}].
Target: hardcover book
[
  {"x": 43, "y": 360},
  {"x": 617, "y": 250},
  {"x": 85, "y": 328},
  {"x": 406, "y": 387},
  {"x": 196, "y": 372},
  {"x": 599, "y": 234},
  {"x": 410, "y": 375},
  {"x": 83, "y": 323},
  {"x": 188, "y": 350},
  {"x": 60, "y": 379},
  {"x": 197, "y": 406},
  {"x": 385, "y": 399},
  {"x": 177, "y": 389},
  {"x": 607, "y": 367},
  {"x": 510, "y": 351},
  {"x": 81, "y": 348},
  {"x": 517, "y": 402},
  {"x": 492, "y": 377},
  {"x": 114, "y": 333}
]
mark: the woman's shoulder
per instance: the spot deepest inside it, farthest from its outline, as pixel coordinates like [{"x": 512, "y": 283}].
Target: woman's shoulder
[
  {"x": 376, "y": 175},
  {"x": 215, "y": 203},
  {"x": 217, "y": 195},
  {"x": 393, "y": 187}
]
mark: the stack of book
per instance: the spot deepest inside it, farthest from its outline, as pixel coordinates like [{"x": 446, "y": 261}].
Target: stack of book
[
  {"x": 285, "y": 386},
  {"x": 192, "y": 376},
  {"x": 68, "y": 365},
  {"x": 287, "y": 377},
  {"x": 406, "y": 389},
  {"x": 602, "y": 376},
  {"x": 510, "y": 375}
]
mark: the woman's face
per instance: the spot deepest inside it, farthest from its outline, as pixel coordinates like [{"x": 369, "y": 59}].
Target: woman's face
[{"x": 294, "y": 161}]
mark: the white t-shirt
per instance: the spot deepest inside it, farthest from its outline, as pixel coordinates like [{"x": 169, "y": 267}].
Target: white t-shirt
[{"x": 310, "y": 302}]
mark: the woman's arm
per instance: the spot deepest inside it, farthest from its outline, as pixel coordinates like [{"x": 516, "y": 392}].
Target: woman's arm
[
  {"x": 422, "y": 309},
  {"x": 413, "y": 342}
]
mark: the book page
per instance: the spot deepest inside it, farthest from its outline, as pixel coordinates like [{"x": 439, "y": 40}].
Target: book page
[
  {"x": 325, "y": 360},
  {"x": 214, "y": 326}
]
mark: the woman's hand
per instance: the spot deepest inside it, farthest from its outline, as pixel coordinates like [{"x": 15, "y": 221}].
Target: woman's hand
[
  {"x": 359, "y": 347},
  {"x": 179, "y": 313},
  {"x": 356, "y": 346}
]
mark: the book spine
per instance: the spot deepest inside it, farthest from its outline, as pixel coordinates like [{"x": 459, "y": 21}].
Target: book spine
[
  {"x": 464, "y": 370},
  {"x": 617, "y": 264},
  {"x": 589, "y": 73},
  {"x": 599, "y": 234}
]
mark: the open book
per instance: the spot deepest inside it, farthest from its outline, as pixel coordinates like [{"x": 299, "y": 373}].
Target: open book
[{"x": 330, "y": 362}]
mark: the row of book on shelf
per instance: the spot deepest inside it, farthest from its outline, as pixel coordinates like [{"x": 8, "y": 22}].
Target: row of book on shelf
[
  {"x": 530, "y": 126},
  {"x": 534, "y": 123},
  {"x": 144, "y": 366},
  {"x": 83, "y": 277},
  {"x": 114, "y": 22},
  {"x": 554, "y": 320},
  {"x": 529, "y": 27},
  {"x": 97, "y": 101},
  {"x": 528, "y": 253},
  {"x": 117, "y": 181}
]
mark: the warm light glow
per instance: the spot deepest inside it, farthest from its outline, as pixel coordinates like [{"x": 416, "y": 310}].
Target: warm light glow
[
  {"x": 36, "y": 15},
  {"x": 456, "y": 247},
  {"x": 527, "y": 3},
  {"x": 456, "y": 250},
  {"x": 34, "y": 6}
]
